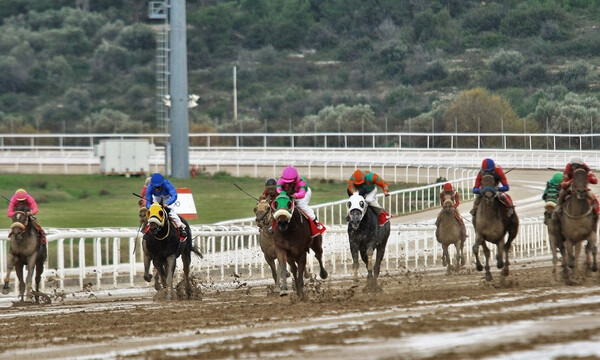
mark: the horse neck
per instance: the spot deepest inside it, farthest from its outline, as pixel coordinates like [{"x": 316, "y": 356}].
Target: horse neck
[
  {"x": 575, "y": 206},
  {"x": 492, "y": 209}
]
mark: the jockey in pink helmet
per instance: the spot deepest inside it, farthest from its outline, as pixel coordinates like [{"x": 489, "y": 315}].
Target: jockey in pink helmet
[{"x": 296, "y": 188}]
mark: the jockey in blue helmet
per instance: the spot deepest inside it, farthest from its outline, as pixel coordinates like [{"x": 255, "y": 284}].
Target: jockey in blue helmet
[{"x": 162, "y": 191}]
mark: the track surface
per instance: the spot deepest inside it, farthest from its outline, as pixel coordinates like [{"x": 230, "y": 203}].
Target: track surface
[{"x": 416, "y": 315}]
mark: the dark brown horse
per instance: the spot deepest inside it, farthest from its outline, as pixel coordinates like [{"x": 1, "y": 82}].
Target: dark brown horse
[
  {"x": 25, "y": 250},
  {"x": 365, "y": 237},
  {"x": 491, "y": 225},
  {"x": 292, "y": 237},
  {"x": 450, "y": 231},
  {"x": 577, "y": 222},
  {"x": 161, "y": 245}
]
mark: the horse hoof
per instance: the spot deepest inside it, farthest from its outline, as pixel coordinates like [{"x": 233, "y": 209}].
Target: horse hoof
[
  {"x": 323, "y": 274},
  {"x": 284, "y": 292},
  {"x": 148, "y": 277},
  {"x": 479, "y": 267},
  {"x": 488, "y": 277},
  {"x": 5, "y": 290}
]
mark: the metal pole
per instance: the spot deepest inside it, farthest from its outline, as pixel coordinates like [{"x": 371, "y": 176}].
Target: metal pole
[{"x": 180, "y": 141}]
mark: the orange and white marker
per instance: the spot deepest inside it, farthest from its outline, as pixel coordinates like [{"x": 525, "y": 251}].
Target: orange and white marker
[{"x": 185, "y": 204}]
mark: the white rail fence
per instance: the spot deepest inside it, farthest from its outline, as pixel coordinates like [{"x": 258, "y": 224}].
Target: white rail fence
[{"x": 112, "y": 258}]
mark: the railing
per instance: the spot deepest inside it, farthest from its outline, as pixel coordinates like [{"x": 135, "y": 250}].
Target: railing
[{"x": 105, "y": 258}]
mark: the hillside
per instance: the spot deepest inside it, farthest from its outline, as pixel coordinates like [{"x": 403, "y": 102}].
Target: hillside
[{"x": 307, "y": 65}]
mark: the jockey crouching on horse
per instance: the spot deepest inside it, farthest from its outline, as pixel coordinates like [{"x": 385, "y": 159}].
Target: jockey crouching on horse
[
  {"x": 576, "y": 162},
  {"x": 270, "y": 192},
  {"x": 22, "y": 201},
  {"x": 488, "y": 167},
  {"x": 162, "y": 191},
  {"x": 365, "y": 183},
  {"x": 296, "y": 188},
  {"x": 449, "y": 190},
  {"x": 553, "y": 187}
]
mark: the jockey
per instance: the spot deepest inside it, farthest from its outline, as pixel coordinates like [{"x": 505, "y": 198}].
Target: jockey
[
  {"x": 448, "y": 189},
  {"x": 296, "y": 188},
  {"x": 489, "y": 167},
  {"x": 366, "y": 183},
  {"x": 162, "y": 191},
  {"x": 270, "y": 192},
  {"x": 22, "y": 201},
  {"x": 553, "y": 187},
  {"x": 577, "y": 162},
  {"x": 142, "y": 202}
]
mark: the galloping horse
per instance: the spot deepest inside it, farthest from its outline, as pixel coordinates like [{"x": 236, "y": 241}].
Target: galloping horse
[
  {"x": 292, "y": 237},
  {"x": 549, "y": 208},
  {"x": 366, "y": 236},
  {"x": 492, "y": 225},
  {"x": 25, "y": 250},
  {"x": 264, "y": 218},
  {"x": 449, "y": 231},
  {"x": 161, "y": 245},
  {"x": 577, "y": 223}
]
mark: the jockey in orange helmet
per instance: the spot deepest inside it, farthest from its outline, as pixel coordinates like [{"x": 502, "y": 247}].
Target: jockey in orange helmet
[
  {"x": 22, "y": 201},
  {"x": 366, "y": 183}
]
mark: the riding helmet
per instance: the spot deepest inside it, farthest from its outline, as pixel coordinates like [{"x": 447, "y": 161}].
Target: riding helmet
[
  {"x": 289, "y": 174},
  {"x": 488, "y": 164},
  {"x": 576, "y": 160},
  {"x": 358, "y": 176},
  {"x": 447, "y": 187},
  {"x": 270, "y": 182},
  {"x": 557, "y": 179},
  {"x": 21, "y": 194},
  {"x": 157, "y": 180}
]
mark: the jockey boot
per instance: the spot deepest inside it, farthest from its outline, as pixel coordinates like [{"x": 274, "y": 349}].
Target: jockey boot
[
  {"x": 182, "y": 233},
  {"x": 318, "y": 224},
  {"x": 510, "y": 211},
  {"x": 475, "y": 205}
]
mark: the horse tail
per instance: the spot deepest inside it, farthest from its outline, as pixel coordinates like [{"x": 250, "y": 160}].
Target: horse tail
[{"x": 196, "y": 251}]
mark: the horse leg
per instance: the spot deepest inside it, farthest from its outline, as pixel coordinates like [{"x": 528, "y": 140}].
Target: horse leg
[
  {"x": 317, "y": 247},
  {"x": 10, "y": 265},
  {"x": 355, "y": 265},
  {"x": 170, "y": 269},
  {"x": 271, "y": 262},
  {"x": 186, "y": 258},
  {"x": 29, "y": 278},
  {"x": 571, "y": 254},
  {"x": 378, "y": 260},
  {"x": 445, "y": 255},
  {"x": 369, "y": 255},
  {"x": 486, "y": 253},
  {"x": 282, "y": 259},
  {"x": 295, "y": 274},
  {"x": 300, "y": 278},
  {"x": 592, "y": 243},
  {"x": 39, "y": 269},
  {"x": 147, "y": 259},
  {"x": 478, "y": 242},
  {"x": 500, "y": 254},
  {"x": 19, "y": 271}
]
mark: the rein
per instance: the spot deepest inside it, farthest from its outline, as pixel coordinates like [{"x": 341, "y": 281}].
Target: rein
[
  {"x": 168, "y": 231},
  {"x": 571, "y": 216}
]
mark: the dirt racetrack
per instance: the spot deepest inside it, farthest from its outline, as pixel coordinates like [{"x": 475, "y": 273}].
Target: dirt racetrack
[{"x": 429, "y": 314}]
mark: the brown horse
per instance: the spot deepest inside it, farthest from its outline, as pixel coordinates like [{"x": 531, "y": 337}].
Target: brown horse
[
  {"x": 491, "y": 225},
  {"x": 292, "y": 237},
  {"x": 450, "y": 231},
  {"x": 575, "y": 223},
  {"x": 264, "y": 218},
  {"x": 25, "y": 250},
  {"x": 549, "y": 208}
]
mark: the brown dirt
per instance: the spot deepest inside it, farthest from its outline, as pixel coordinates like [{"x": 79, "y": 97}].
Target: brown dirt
[{"x": 338, "y": 319}]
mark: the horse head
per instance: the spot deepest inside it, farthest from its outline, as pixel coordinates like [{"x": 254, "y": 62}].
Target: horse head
[
  {"x": 156, "y": 217},
  {"x": 20, "y": 222},
  {"x": 488, "y": 188},
  {"x": 282, "y": 207},
  {"x": 357, "y": 208},
  {"x": 580, "y": 183},
  {"x": 262, "y": 210},
  {"x": 448, "y": 201}
]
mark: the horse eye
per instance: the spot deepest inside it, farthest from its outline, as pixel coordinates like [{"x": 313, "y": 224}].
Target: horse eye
[
  {"x": 161, "y": 213},
  {"x": 289, "y": 205},
  {"x": 349, "y": 204},
  {"x": 362, "y": 203}
]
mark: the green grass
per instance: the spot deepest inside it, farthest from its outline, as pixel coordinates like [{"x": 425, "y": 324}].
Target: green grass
[{"x": 78, "y": 201}]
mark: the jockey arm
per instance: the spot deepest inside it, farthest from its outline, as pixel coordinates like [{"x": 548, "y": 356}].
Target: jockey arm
[
  {"x": 377, "y": 180},
  {"x": 456, "y": 199},
  {"x": 31, "y": 204},
  {"x": 476, "y": 188},
  {"x": 172, "y": 192},
  {"x": 502, "y": 179}
]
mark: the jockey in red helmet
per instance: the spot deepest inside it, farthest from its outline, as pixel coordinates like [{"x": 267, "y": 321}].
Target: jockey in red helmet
[
  {"x": 489, "y": 167},
  {"x": 577, "y": 162},
  {"x": 449, "y": 190},
  {"x": 270, "y": 192}
]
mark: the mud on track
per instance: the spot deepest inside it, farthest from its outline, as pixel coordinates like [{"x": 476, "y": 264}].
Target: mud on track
[{"x": 417, "y": 315}]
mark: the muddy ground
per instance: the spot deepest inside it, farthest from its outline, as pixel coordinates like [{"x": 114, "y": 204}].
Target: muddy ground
[{"x": 415, "y": 315}]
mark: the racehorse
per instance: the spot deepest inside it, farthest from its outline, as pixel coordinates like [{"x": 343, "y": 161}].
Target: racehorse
[
  {"x": 449, "y": 231},
  {"x": 549, "y": 208},
  {"x": 491, "y": 225},
  {"x": 264, "y": 218},
  {"x": 161, "y": 245},
  {"x": 25, "y": 250},
  {"x": 365, "y": 236},
  {"x": 577, "y": 223},
  {"x": 292, "y": 237}
]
